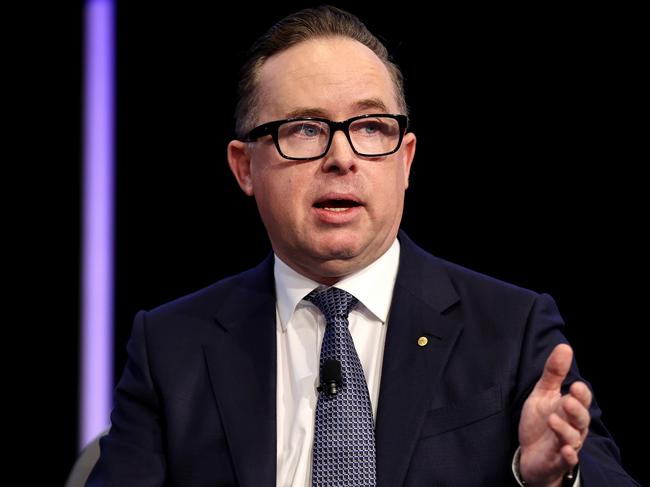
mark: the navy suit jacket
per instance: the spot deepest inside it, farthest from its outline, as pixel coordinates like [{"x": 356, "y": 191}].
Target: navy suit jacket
[{"x": 196, "y": 404}]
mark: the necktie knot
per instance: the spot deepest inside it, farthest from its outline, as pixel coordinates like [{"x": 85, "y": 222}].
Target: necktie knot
[{"x": 333, "y": 302}]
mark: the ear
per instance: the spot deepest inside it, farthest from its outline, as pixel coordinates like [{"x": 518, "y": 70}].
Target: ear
[
  {"x": 240, "y": 164},
  {"x": 408, "y": 147}
]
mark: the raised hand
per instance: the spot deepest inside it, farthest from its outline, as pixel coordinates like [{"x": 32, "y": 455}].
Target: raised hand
[{"x": 553, "y": 427}]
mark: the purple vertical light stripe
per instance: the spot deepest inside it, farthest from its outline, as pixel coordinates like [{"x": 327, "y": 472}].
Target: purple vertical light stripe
[{"x": 96, "y": 367}]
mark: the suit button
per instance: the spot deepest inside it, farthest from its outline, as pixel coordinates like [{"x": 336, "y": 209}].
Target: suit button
[{"x": 422, "y": 341}]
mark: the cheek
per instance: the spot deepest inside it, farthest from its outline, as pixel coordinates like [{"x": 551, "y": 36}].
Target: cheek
[
  {"x": 393, "y": 191},
  {"x": 395, "y": 184},
  {"x": 279, "y": 194}
]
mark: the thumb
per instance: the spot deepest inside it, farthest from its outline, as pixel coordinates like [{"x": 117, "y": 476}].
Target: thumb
[{"x": 556, "y": 369}]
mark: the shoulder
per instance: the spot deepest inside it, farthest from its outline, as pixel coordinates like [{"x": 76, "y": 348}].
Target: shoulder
[
  {"x": 469, "y": 279},
  {"x": 253, "y": 285},
  {"x": 492, "y": 311},
  {"x": 447, "y": 282}
]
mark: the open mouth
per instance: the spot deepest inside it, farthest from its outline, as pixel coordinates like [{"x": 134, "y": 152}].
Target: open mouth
[{"x": 336, "y": 204}]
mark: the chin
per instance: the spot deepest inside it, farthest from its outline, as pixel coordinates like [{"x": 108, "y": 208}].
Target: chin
[
  {"x": 339, "y": 248},
  {"x": 334, "y": 269}
]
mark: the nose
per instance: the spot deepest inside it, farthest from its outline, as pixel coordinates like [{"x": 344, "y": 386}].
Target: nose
[{"x": 340, "y": 157}]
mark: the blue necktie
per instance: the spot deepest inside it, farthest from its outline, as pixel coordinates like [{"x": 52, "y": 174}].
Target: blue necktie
[{"x": 344, "y": 434}]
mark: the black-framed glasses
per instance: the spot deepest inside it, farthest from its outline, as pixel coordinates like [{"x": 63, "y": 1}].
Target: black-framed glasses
[{"x": 305, "y": 138}]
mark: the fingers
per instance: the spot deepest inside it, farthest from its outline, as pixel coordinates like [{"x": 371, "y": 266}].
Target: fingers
[
  {"x": 570, "y": 456},
  {"x": 567, "y": 435},
  {"x": 571, "y": 425},
  {"x": 581, "y": 392},
  {"x": 556, "y": 369},
  {"x": 577, "y": 411}
]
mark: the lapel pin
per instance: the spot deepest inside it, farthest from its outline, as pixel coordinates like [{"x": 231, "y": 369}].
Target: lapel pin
[{"x": 422, "y": 341}]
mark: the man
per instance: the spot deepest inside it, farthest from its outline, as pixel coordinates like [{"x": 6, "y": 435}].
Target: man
[{"x": 244, "y": 383}]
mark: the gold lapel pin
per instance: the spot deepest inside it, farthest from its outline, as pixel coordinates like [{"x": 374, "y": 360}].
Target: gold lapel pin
[{"x": 422, "y": 341}]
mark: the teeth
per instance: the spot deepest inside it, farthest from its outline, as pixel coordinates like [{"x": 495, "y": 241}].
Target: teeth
[{"x": 334, "y": 209}]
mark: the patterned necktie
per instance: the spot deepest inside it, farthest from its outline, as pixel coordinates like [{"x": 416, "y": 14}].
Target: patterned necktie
[{"x": 344, "y": 434}]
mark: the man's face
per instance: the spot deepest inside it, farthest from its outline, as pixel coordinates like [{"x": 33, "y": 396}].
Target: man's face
[{"x": 332, "y": 216}]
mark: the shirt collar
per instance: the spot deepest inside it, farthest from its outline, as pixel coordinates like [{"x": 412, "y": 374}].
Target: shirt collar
[{"x": 372, "y": 286}]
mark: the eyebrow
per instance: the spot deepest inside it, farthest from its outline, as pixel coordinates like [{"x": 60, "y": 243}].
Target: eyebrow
[
  {"x": 361, "y": 105},
  {"x": 371, "y": 104}
]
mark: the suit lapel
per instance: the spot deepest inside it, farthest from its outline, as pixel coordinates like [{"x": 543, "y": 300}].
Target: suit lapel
[
  {"x": 412, "y": 370},
  {"x": 242, "y": 367}
]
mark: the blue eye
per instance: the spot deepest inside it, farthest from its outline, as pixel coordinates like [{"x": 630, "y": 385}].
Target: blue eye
[
  {"x": 371, "y": 128},
  {"x": 303, "y": 130},
  {"x": 308, "y": 130}
]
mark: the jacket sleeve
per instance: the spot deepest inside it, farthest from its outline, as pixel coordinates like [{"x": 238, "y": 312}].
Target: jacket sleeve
[
  {"x": 599, "y": 458},
  {"x": 132, "y": 452}
]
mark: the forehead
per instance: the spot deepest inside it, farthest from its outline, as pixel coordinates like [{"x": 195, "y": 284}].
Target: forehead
[{"x": 334, "y": 77}]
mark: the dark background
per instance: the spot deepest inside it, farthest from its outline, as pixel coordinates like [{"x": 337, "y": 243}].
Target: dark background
[{"x": 527, "y": 166}]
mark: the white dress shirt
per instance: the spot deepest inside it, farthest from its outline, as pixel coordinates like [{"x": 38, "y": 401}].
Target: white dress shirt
[{"x": 300, "y": 330}]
